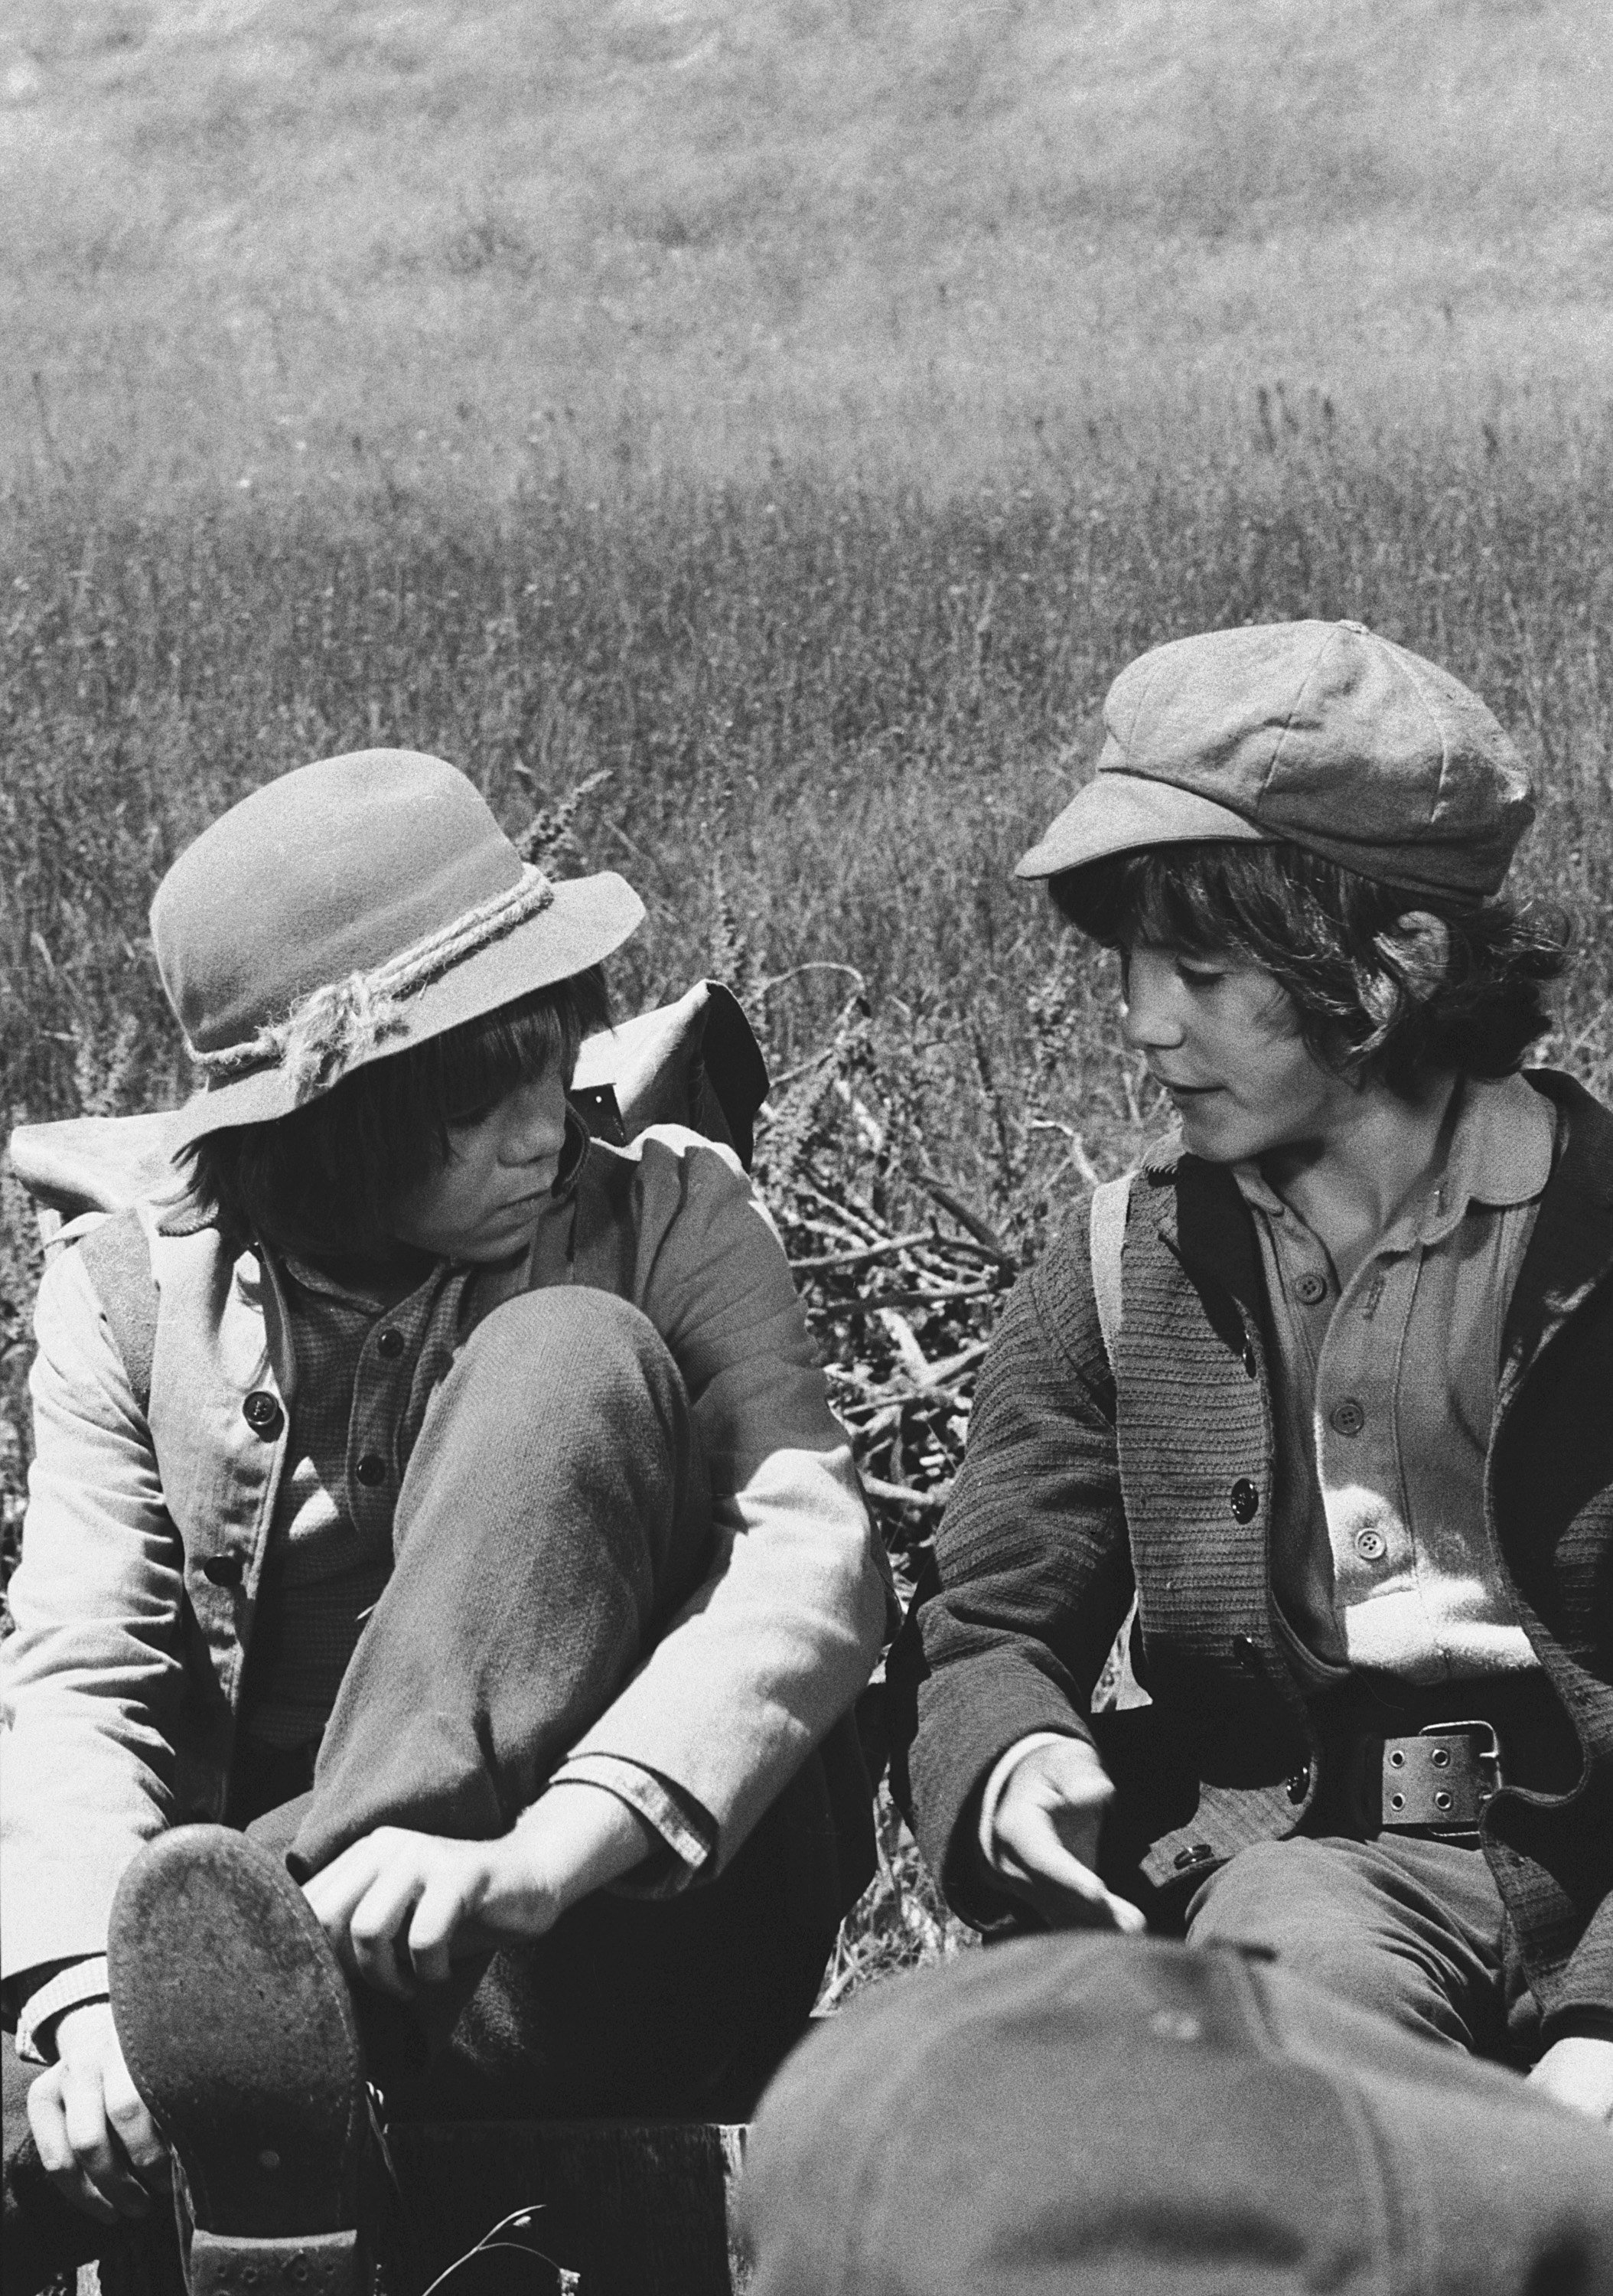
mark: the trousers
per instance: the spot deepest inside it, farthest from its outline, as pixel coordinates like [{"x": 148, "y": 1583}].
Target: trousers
[
  {"x": 555, "y": 1514},
  {"x": 1411, "y": 1927}
]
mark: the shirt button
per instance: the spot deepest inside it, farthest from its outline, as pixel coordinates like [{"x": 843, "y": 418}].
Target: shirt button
[
  {"x": 1246, "y": 1653},
  {"x": 1310, "y": 1291},
  {"x": 1370, "y": 1546},
  {"x": 1346, "y": 1418},
  {"x": 371, "y": 1470},
  {"x": 390, "y": 1343},
  {"x": 1244, "y": 1500},
  {"x": 262, "y": 1413}
]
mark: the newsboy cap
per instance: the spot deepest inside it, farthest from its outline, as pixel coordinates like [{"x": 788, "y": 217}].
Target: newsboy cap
[{"x": 1316, "y": 733}]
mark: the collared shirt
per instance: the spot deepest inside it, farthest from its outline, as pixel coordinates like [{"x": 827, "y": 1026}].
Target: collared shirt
[
  {"x": 1384, "y": 1396},
  {"x": 364, "y": 1373}
]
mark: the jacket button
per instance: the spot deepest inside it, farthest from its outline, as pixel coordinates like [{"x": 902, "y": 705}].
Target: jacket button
[
  {"x": 1197, "y": 1853},
  {"x": 1299, "y": 1784},
  {"x": 1250, "y": 1361},
  {"x": 1244, "y": 1500},
  {"x": 1246, "y": 1653},
  {"x": 1348, "y": 1418},
  {"x": 224, "y": 1569},
  {"x": 371, "y": 1470},
  {"x": 1310, "y": 1291},
  {"x": 390, "y": 1343},
  {"x": 263, "y": 1413}
]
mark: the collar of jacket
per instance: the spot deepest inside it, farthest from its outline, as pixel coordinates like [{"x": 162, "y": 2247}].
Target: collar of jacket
[
  {"x": 1199, "y": 1215},
  {"x": 1571, "y": 1249}
]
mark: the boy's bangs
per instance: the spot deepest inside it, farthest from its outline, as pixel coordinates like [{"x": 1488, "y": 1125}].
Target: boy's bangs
[
  {"x": 1184, "y": 899},
  {"x": 478, "y": 1064}
]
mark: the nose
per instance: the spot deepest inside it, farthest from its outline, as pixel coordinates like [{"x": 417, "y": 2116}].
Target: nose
[
  {"x": 535, "y": 1122},
  {"x": 1149, "y": 1012}
]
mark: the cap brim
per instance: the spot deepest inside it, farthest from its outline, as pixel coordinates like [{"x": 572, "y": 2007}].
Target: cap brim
[
  {"x": 588, "y": 917},
  {"x": 1118, "y": 813}
]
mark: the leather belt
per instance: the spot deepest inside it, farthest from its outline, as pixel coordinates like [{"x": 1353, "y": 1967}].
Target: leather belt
[{"x": 1437, "y": 1780}]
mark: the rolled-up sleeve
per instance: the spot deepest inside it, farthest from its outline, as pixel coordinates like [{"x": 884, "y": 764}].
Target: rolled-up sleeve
[
  {"x": 93, "y": 1673},
  {"x": 777, "y": 1642}
]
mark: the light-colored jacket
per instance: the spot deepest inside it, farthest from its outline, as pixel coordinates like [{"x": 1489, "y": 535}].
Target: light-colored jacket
[{"x": 123, "y": 1676}]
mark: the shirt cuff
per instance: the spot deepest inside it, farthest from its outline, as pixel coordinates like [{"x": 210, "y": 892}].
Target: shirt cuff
[
  {"x": 687, "y": 1829},
  {"x": 71, "y": 1988},
  {"x": 996, "y": 1785}
]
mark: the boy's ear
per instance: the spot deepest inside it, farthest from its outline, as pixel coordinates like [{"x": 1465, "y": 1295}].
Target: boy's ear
[{"x": 1417, "y": 948}]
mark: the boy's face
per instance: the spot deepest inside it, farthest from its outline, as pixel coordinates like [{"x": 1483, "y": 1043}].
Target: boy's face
[
  {"x": 1223, "y": 1038},
  {"x": 485, "y": 1203}
]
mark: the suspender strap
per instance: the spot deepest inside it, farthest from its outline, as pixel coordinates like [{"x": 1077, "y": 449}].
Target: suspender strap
[{"x": 1110, "y": 1204}]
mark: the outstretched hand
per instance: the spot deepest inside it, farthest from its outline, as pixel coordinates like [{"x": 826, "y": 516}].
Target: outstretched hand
[
  {"x": 97, "y": 2142},
  {"x": 399, "y": 1907},
  {"x": 1045, "y": 1841}
]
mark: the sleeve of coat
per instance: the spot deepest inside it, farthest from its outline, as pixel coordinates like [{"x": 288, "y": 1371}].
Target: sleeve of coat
[
  {"x": 1032, "y": 1576},
  {"x": 92, "y": 1672},
  {"x": 1583, "y": 2000},
  {"x": 776, "y": 1643}
]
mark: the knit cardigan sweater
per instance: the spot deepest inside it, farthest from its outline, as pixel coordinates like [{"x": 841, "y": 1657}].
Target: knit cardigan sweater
[{"x": 1081, "y": 1485}]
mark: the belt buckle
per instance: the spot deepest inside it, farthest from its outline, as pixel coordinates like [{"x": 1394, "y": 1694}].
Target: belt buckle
[{"x": 1432, "y": 1786}]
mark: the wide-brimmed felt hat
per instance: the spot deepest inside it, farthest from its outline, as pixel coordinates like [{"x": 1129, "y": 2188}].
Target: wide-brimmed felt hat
[
  {"x": 347, "y": 910},
  {"x": 1316, "y": 733}
]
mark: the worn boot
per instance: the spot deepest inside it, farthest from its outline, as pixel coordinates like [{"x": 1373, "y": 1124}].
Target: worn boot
[{"x": 238, "y": 2030}]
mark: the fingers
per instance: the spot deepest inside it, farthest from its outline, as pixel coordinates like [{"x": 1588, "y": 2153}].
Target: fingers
[
  {"x": 394, "y": 1905},
  {"x": 135, "y": 2130},
  {"x": 77, "y": 2149},
  {"x": 1064, "y": 1890},
  {"x": 439, "y": 1918},
  {"x": 1070, "y": 1892}
]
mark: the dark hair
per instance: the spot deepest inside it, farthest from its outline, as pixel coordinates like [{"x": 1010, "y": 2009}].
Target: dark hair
[
  {"x": 323, "y": 1179},
  {"x": 1369, "y": 999}
]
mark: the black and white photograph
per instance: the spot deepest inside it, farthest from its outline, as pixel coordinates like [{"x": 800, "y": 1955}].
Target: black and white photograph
[{"x": 806, "y": 1182}]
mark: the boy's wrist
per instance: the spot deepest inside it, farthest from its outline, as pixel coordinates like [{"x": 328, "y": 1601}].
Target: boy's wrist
[{"x": 574, "y": 1840}]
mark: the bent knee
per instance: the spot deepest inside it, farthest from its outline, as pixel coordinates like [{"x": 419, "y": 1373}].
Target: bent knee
[
  {"x": 590, "y": 1336},
  {"x": 1268, "y": 1894}
]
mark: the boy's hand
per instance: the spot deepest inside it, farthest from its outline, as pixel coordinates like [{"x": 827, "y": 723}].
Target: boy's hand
[
  {"x": 1044, "y": 1841},
  {"x": 1578, "y": 2071},
  {"x": 97, "y": 2142},
  {"x": 399, "y": 1907}
]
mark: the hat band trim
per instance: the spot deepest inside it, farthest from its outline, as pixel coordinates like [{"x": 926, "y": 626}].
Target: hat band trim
[{"x": 344, "y": 1022}]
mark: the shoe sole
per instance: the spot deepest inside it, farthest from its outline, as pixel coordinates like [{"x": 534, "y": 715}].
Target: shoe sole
[{"x": 238, "y": 2030}]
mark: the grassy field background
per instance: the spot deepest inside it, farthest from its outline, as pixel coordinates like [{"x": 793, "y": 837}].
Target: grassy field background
[{"x": 797, "y": 415}]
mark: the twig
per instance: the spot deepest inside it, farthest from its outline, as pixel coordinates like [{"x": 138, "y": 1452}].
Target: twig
[
  {"x": 914, "y": 1358},
  {"x": 982, "y": 1230},
  {"x": 951, "y": 1366},
  {"x": 898, "y": 1495},
  {"x": 864, "y": 1253},
  {"x": 925, "y": 1298},
  {"x": 815, "y": 965}
]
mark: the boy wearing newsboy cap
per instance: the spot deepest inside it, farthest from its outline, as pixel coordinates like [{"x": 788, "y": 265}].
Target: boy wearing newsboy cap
[{"x": 1320, "y": 1399}]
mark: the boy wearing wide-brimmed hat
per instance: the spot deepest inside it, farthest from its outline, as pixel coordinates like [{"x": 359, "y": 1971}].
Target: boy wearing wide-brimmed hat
[
  {"x": 451, "y": 1499},
  {"x": 1346, "y": 1442}
]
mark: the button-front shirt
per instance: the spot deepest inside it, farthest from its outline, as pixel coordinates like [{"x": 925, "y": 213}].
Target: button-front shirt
[
  {"x": 364, "y": 1373},
  {"x": 1384, "y": 1396}
]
